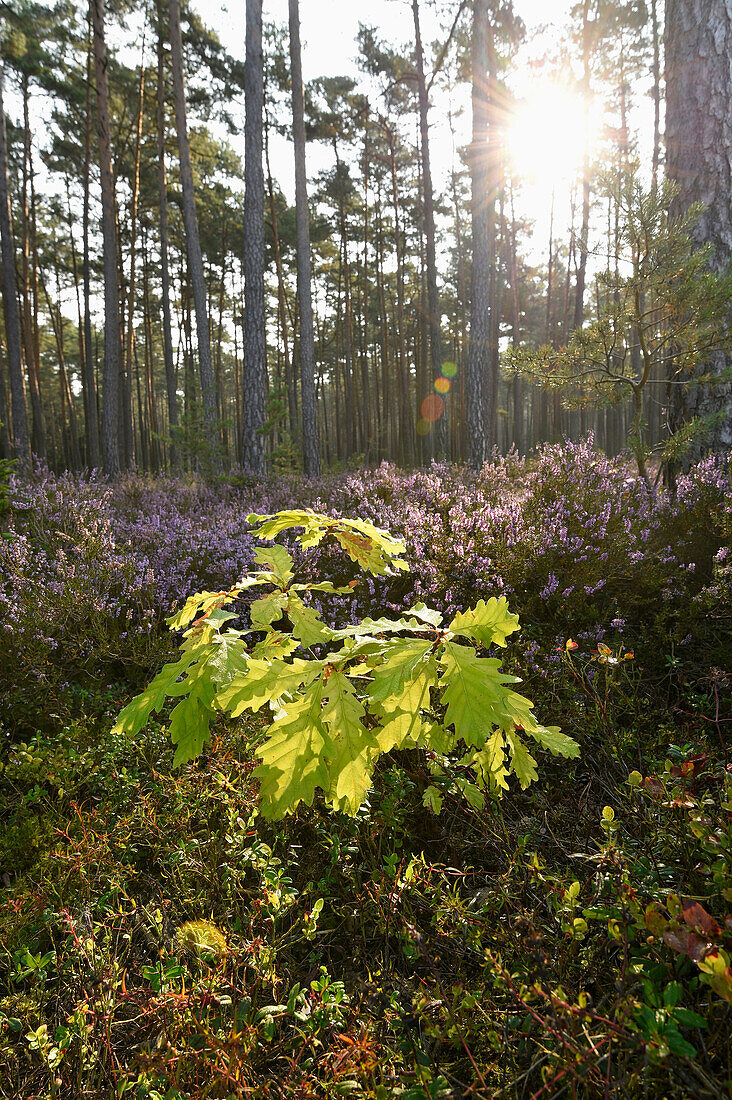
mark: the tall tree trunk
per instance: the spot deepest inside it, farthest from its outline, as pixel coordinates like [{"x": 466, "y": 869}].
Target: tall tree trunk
[
  {"x": 193, "y": 243},
  {"x": 579, "y": 296},
  {"x": 699, "y": 159},
  {"x": 281, "y": 297},
  {"x": 10, "y": 303},
  {"x": 112, "y": 342},
  {"x": 345, "y": 273},
  {"x": 29, "y": 293},
  {"x": 129, "y": 433},
  {"x": 518, "y": 412},
  {"x": 478, "y": 155},
  {"x": 254, "y": 411},
  {"x": 406, "y": 447},
  {"x": 6, "y": 443},
  {"x": 311, "y": 449},
  {"x": 170, "y": 373},
  {"x": 88, "y": 381},
  {"x": 433, "y": 298},
  {"x": 656, "y": 69}
]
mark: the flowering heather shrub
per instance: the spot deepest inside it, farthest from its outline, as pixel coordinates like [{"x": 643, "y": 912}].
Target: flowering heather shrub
[
  {"x": 576, "y": 544},
  {"x": 71, "y": 601}
]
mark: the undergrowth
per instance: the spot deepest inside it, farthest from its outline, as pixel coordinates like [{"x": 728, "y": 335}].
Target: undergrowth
[{"x": 160, "y": 939}]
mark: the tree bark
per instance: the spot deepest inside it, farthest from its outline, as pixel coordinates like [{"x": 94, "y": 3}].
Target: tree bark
[
  {"x": 10, "y": 303},
  {"x": 479, "y": 162},
  {"x": 310, "y": 445},
  {"x": 579, "y": 297},
  {"x": 433, "y": 298},
  {"x": 193, "y": 243},
  {"x": 170, "y": 380},
  {"x": 254, "y": 409},
  {"x": 112, "y": 342},
  {"x": 91, "y": 416},
  {"x": 699, "y": 159},
  {"x": 129, "y": 432}
]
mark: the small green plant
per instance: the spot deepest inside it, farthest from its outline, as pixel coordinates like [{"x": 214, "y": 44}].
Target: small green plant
[{"x": 341, "y": 698}]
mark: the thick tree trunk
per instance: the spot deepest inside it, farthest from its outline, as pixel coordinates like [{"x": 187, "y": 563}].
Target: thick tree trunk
[
  {"x": 10, "y": 303},
  {"x": 579, "y": 298},
  {"x": 193, "y": 243},
  {"x": 656, "y": 71},
  {"x": 433, "y": 298},
  {"x": 281, "y": 297},
  {"x": 311, "y": 449},
  {"x": 406, "y": 444},
  {"x": 699, "y": 160},
  {"x": 91, "y": 416},
  {"x": 255, "y": 351},
  {"x": 29, "y": 291},
  {"x": 479, "y": 162},
  {"x": 112, "y": 343},
  {"x": 129, "y": 433},
  {"x": 170, "y": 380}
]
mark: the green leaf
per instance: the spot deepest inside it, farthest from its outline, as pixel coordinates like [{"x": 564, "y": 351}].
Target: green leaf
[
  {"x": 265, "y": 610},
  {"x": 266, "y": 682},
  {"x": 190, "y": 728},
  {"x": 491, "y": 762},
  {"x": 403, "y": 659},
  {"x": 324, "y": 586},
  {"x": 272, "y": 525},
  {"x": 374, "y": 550},
  {"x": 522, "y": 762},
  {"x": 432, "y": 799},
  {"x": 202, "y": 603},
  {"x": 551, "y": 738},
  {"x": 399, "y": 693},
  {"x": 306, "y": 623},
  {"x": 350, "y": 764},
  {"x": 136, "y": 714},
  {"x": 473, "y": 795},
  {"x": 274, "y": 644},
  {"x": 472, "y": 690},
  {"x": 426, "y": 614},
  {"x": 293, "y": 756},
  {"x": 277, "y": 561},
  {"x": 487, "y": 623}
]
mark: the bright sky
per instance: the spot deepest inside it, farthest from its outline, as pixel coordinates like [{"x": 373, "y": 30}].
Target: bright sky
[{"x": 329, "y": 28}]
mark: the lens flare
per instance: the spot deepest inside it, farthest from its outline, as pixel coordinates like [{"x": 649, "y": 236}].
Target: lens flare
[
  {"x": 432, "y": 408},
  {"x": 449, "y": 370},
  {"x": 442, "y": 385}
]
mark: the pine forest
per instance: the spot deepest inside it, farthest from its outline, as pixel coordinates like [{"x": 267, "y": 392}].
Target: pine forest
[{"x": 366, "y": 549}]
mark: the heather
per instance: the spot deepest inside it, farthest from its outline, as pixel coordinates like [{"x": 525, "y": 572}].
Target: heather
[
  {"x": 576, "y": 543},
  {"x": 163, "y": 938}
]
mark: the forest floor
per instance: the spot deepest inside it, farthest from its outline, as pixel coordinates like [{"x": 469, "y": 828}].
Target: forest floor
[{"x": 160, "y": 939}]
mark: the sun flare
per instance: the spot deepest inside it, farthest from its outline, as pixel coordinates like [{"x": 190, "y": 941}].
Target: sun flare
[{"x": 546, "y": 139}]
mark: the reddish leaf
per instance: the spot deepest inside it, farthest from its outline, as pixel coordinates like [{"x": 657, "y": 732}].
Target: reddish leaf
[
  {"x": 656, "y": 923},
  {"x": 687, "y": 943},
  {"x": 697, "y": 917},
  {"x": 653, "y": 786}
]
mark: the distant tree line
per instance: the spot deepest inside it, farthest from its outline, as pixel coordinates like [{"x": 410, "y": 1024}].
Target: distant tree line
[{"x": 369, "y": 321}]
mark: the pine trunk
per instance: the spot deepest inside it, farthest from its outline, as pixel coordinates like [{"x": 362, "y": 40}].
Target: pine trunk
[
  {"x": 699, "y": 160},
  {"x": 112, "y": 342},
  {"x": 311, "y": 449},
  {"x": 193, "y": 243},
  {"x": 10, "y": 303},
  {"x": 433, "y": 298},
  {"x": 478, "y": 159},
  {"x": 170, "y": 379},
  {"x": 254, "y": 409}
]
